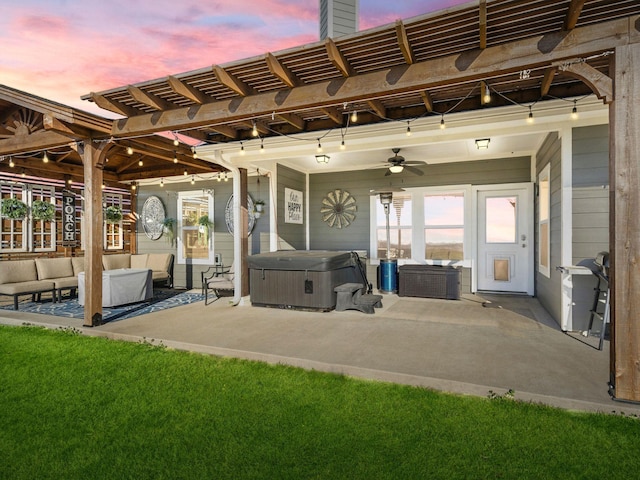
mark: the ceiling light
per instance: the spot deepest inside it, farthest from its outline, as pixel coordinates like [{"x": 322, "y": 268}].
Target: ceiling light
[
  {"x": 483, "y": 143},
  {"x": 396, "y": 168},
  {"x": 322, "y": 158}
]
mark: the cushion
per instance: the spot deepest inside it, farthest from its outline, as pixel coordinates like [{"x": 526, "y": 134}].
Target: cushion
[
  {"x": 66, "y": 282},
  {"x": 14, "y": 271},
  {"x": 159, "y": 261},
  {"x": 54, "y": 267},
  {"x": 27, "y": 287},
  {"x": 139, "y": 261},
  {"x": 78, "y": 265},
  {"x": 119, "y": 260}
]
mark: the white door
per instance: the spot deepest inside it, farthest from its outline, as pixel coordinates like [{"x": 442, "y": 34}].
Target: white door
[{"x": 505, "y": 239}]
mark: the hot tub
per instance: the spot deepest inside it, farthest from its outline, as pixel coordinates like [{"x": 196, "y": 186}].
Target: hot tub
[{"x": 301, "y": 279}]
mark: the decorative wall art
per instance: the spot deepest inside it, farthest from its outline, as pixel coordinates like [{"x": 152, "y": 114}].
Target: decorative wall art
[
  {"x": 338, "y": 208},
  {"x": 153, "y": 217},
  {"x": 292, "y": 206},
  {"x": 228, "y": 214}
]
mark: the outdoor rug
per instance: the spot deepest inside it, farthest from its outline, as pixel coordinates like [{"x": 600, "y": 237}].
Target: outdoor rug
[{"x": 162, "y": 299}]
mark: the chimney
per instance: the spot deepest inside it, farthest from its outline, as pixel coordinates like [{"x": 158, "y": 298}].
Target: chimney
[{"x": 338, "y": 17}]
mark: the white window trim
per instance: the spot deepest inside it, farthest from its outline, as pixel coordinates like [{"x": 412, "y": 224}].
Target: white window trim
[
  {"x": 180, "y": 257},
  {"x": 53, "y": 233},
  {"x": 417, "y": 237},
  {"x": 545, "y": 174}
]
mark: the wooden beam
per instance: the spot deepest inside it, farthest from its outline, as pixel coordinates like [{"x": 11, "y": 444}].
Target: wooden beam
[
  {"x": 70, "y": 130},
  {"x": 403, "y": 43},
  {"x": 597, "y": 81},
  {"x": 624, "y": 224},
  {"x": 39, "y": 140},
  {"x": 244, "y": 232},
  {"x": 482, "y": 23},
  {"x": 292, "y": 119},
  {"x": 232, "y": 82},
  {"x": 338, "y": 60},
  {"x": 573, "y": 13},
  {"x": 112, "y": 105},
  {"x": 225, "y": 130},
  {"x": 281, "y": 71},
  {"x": 491, "y": 62},
  {"x": 334, "y": 114},
  {"x": 187, "y": 91},
  {"x": 547, "y": 80},
  {"x": 427, "y": 100},
  {"x": 38, "y": 168},
  {"x": 378, "y": 108},
  {"x": 149, "y": 99}
]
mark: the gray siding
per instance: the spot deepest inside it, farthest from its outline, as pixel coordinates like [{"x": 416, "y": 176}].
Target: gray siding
[
  {"x": 590, "y": 203},
  {"x": 188, "y": 276},
  {"x": 549, "y": 290},
  {"x": 337, "y": 18},
  {"x": 292, "y": 233}
]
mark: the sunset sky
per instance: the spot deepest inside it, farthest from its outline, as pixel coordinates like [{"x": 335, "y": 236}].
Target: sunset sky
[{"x": 63, "y": 49}]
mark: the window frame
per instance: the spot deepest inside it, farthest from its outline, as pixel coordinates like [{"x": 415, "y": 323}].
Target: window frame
[
  {"x": 181, "y": 259},
  {"x": 544, "y": 223}
]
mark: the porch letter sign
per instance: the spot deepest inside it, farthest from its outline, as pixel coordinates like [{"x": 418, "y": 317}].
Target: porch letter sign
[
  {"x": 68, "y": 219},
  {"x": 292, "y": 206}
]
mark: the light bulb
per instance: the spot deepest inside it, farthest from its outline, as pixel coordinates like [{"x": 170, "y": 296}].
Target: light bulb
[
  {"x": 219, "y": 178},
  {"x": 45, "y": 158},
  {"x": 442, "y": 124},
  {"x": 574, "y": 111},
  {"x": 354, "y": 116},
  {"x": 193, "y": 179},
  {"x": 242, "y": 151},
  {"x": 129, "y": 150},
  {"x": 140, "y": 163},
  {"x": 185, "y": 173},
  {"x": 254, "y": 130},
  {"x": 487, "y": 94},
  {"x": 11, "y": 164},
  {"x": 162, "y": 182},
  {"x": 226, "y": 178},
  {"x": 175, "y": 158},
  {"x": 176, "y": 142},
  {"x": 342, "y": 145},
  {"x": 261, "y": 147},
  {"x": 408, "y": 130},
  {"x": 133, "y": 186},
  {"x": 530, "y": 117},
  {"x": 319, "y": 149}
]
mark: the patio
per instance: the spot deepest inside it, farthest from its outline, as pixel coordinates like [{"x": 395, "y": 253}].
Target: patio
[{"x": 453, "y": 346}]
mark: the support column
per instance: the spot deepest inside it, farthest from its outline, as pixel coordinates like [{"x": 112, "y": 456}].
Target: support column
[
  {"x": 244, "y": 231},
  {"x": 93, "y": 234},
  {"x": 624, "y": 224}
]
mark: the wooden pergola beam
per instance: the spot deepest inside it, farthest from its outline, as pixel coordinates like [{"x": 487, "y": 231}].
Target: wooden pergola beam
[
  {"x": 573, "y": 13},
  {"x": 292, "y": 119},
  {"x": 337, "y": 59},
  {"x": 149, "y": 99},
  {"x": 187, "y": 91},
  {"x": 225, "y": 130},
  {"x": 334, "y": 114},
  {"x": 39, "y": 140},
  {"x": 232, "y": 82},
  {"x": 378, "y": 108},
  {"x": 547, "y": 80},
  {"x": 71, "y": 130},
  {"x": 112, "y": 105},
  {"x": 427, "y": 100},
  {"x": 281, "y": 71},
  {"x": 482, "y": 23},
  {"x": 493, "y": 61},
  {"x": 403, "y": 43}
]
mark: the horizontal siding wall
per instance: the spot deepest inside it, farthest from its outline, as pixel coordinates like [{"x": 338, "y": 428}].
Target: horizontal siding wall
[
  {"x": 549, "y": 289},
  {"x": 188, "y": 276},
  {"x": 292, "y": 234}
]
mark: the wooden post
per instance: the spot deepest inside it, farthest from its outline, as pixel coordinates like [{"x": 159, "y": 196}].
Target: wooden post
[
  {"x": 624, "y": 230},
  {"x": 244, "y": 231},
  {"x": 93, "y": 234}
]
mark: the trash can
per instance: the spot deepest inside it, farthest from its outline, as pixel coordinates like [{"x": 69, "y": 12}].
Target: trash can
[{"x": 388, "y": 275}]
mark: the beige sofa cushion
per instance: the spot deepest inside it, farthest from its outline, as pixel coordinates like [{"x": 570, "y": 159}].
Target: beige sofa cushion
[
  {"x": 78, "y": 265},
  {"x": 118, "y": 260},
  {"x": 26, "y": 287},
  {"x": 54, "y": 268},
  {"x": 15, "y": 271},
  {"x": 159, "y": 262},
  {"x": 139, "y": 260}
]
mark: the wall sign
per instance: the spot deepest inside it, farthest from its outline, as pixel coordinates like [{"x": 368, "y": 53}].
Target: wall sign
[
  {"x": 292, "y": 206},
  {"x": 68, "y": 219}
]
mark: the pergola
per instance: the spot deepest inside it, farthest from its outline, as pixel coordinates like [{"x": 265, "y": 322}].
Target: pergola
[{"x": 521, "y": 51}]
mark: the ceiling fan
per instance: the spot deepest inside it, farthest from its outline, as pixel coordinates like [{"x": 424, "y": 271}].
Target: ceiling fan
[{"x": 397, "y": 164}]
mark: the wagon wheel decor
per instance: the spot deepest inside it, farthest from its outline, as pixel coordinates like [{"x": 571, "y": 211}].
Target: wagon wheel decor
[{"x": 338, "y": 208}]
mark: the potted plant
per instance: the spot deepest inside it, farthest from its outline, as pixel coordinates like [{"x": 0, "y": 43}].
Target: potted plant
[
  {"x": 113, "y": 214},
  {"x": 169, "y": 228},
  {"x": 258, "y": 208},
  {"x": 204, "y": 224},
  {"x": 43, "y": 210},
  {"x": 14, "y": 209}
]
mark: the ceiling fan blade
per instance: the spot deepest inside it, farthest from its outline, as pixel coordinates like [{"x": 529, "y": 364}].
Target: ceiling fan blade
[
  {"x": 415, "y": 163},
  {"x": 387, "y": 173},
  {"x": 414, "y": 170}
]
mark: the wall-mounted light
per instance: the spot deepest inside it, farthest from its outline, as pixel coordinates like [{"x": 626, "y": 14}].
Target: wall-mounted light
[
  {"x": 482, "y": 143},
  {"x": 322, "y": 158}
]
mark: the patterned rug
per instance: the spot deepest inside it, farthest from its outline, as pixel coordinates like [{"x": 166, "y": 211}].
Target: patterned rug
[{"x": 162, "y": 299}]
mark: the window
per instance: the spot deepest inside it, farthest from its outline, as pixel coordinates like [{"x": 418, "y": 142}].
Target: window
[
  {"x": 444, "y": 226},
  {"x": 44, "y": 230},
  {"x": 400, "y": 227},
  {"x": 544, "y": 214},
  {"x": 113, "y": 231},
  {"x": 13, "y": 231},
  {"x": 195, "y": 227}
]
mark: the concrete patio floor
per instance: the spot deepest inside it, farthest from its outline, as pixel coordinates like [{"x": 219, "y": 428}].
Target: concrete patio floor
[{"x": 454, "y": 346}]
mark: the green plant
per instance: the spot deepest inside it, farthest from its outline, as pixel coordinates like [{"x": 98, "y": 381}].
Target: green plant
[
  {"x": 204, "y": 224},
  {"x": 14, "y": 208},
  {"x": 113, "y": 214},
  {"x": 43, "y": 210},
  {"x": 169, "y": 228}
]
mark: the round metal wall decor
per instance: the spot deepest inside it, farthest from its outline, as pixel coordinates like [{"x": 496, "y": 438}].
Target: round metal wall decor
[
  {"x": 228, "y": 214},
  {"x": 152, "y": 217},
  {"x": 338, "y": 208}
]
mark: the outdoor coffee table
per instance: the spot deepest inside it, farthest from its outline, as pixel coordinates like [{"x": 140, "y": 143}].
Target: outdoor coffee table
[{"x": 121, "y": 286}]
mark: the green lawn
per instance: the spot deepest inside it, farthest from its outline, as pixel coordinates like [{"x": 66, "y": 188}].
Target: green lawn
[{"x": 75, "y": 407}]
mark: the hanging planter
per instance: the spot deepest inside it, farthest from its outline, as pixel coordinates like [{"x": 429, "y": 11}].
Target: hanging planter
[
  {"x": 258, "y": 208},
  {"x": 43, "y": 210},
  {"x": 204, "y": 224},
  {"x": 14, "y": 209},
  {"x": 169, "y": 229},
  {"x": 113, "y": 214}
]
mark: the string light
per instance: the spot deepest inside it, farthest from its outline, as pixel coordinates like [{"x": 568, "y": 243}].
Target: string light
[
  {"x": 530, "y": 117},
  {"x": 354, "y": 116},
  {"x": 408, "y": 129},
  {"x": 319, "y": 149},
  {"x": 129, "y": 150},
  {"x": 175, "y": 157},
  {"x": 219, "y": 177},
  {"x": 342, "y": 145},
  {"x": 140, "y": 163},
  {"x": 133, "y": 186},
  {"x": 242, "y": 151},
  {"x": 176, "y": 142},
  {"x": 574, "y": 111},
  {"x": 487, "y": 94},
  {"x": 162, "y": 182},
  {"x": 185, "y": 172},
  {"x": 45, "y": 158},
  {"x": 226, "y": 178},
  {"x": 254, "y": 129},
  {"x": 261, "y": 146},
  {"x": 442, "y": 124},
  {"x": 195, "y": 155},
  {"x": 193, "y": 179},
  {"x": 11, "y": 164}
]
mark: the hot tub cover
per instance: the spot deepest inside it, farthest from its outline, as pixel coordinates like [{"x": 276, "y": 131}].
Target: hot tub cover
[{"x": 306, "y": 260}]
